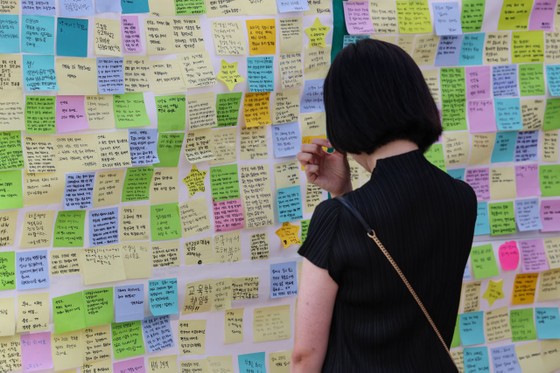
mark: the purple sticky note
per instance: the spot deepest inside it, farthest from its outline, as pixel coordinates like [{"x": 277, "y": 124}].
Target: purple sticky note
[
  {"x": 478, "y": 82},
  {"x": 447, "y": 18},
  {"x": 286, "y": 140},
  {"x": 478, "y": 179},
  {"x": 36, "y": 352},
  {"x": 533, "y": 256},
  {"x": 527, "y": 180},
  {"x": 312, "y": 97},
  {"x": 110, "y": 75},
  {"x": 143, "y": 146},
  {"x": 527, "y": 214},
  {"x": 135, "y": 365},
  {"x": 131, "y": 34},
  {"x": 357, "y": 17},
  {"x": 228, "y": 215},
  {"x": 71, "y": 114},
  {"x": 542, "y": 15},
  {"x": 32, "y": 270},
  {"x": 39, "y": 8},
  {"x": 526, "y": 146},
  {"x": 481, "y": 116},
  {"x": 504, "y": 78},
  {"x": 448, "y": 51},
  {"x": 129, "y": 303},
  {"x": 504, "y": 359},
  {"x": 78, "y": 191},
  {"x": 104, "y": 226},
  {"x": 283, "y": 280},
  {"x": 157, "y": 333},
  {"x": 550, "y": 215},
  {"x": 108, "y": 6},
  {"x": 76, "y": 8}
]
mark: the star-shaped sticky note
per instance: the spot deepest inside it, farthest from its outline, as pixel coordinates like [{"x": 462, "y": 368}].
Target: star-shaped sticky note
[
  {"x": 229, "y": 75},
  {"x": 494, "y": 291},
  {"x": 288, "y": 234},
  {"x": 317, "y": 33},
  {"x": 195, "y": 180}
]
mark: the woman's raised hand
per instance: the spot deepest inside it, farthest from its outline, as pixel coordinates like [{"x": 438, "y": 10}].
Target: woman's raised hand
[{"x": 329, "y": 171}]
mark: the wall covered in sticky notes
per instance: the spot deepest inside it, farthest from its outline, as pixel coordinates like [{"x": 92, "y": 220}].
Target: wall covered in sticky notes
[{"x": 151, "y": 206}]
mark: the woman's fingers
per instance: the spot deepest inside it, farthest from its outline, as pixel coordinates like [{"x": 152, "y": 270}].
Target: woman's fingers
[
  {"x": 305, "y": 158},
  {"x": 321, "y": 142},
  {"x": 312, "y": 149},
  {"x": 312, "y": 172}
]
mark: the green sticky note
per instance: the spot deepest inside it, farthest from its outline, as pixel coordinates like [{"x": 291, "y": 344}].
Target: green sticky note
[
  {"x": 11, "y": 192},
  {"x": 68, "y": 313},
  {"x": 169, "y": 149},
  {"x": 11, "y": 152},
  {"x": 40, "y": 114},
  {"x": 69, "y": 229},
  {"x": 434, "y": 155},
  {"x": 453, "y": 98},
  {"x": 502, "y": 218},
  {"x": 456, "y": 341},
  {"x": 414, "y": 17},
  {"x": 7, "y": 270},
  {"x": 549, "y": 177},
  {"x": 304, "y": 229},
  {"x": 227, "y": 108},
  {"x": 522, "y": 325},
  {"x": 127, "y": 339},
  {"x": 515, "y": 14},
  {"x": 551, "y": 114},
  {"x": 472, "y": 15},
  {"x": 531, "y": 80},
  {"x": 137, "y": 184},
  {"x": 98, "y": 306},
  {"x": 189, "y": 7},
  {"x": 171, "y": 113},
  {"x": 130, "y": 110},
  {"x": 224, "y": 182},
  {"x": 527, "y": 46},
  {"x": 483, "y": 262},
  {"x": 165, "y": 222}
]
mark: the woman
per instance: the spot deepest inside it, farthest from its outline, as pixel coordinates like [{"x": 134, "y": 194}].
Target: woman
[{"x": 354, "y": 313}]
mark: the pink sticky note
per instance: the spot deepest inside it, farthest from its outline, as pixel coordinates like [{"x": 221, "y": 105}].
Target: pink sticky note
[
  {"x": 358, "y": 19},
  {"x": 527, "y": 180},
  {"x": 131, "y": 34},
  {"x": 533, "y": 257},
  {"x": 36, "y": 352},
  {"x": 478, "y": 82},
  {"x": 479, "y": 180},
  {"x": 228, "y": 215},
  {"x": 70, "y": 114},
  {"x": 481, "y": 116},
  {"x": 133, "y": 365},
  {"x": 509, "y": 256},
  {"x": 542, "y": 16},
  {"x": 550, "y": 215}
]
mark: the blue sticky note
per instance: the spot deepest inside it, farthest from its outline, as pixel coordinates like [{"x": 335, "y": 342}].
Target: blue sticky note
[
  {"x": 75, "y": 8},
  {"x": 527, "y": 214},
  {"x": 472, "y": 49},
  {"x": 351, "y": 39},
  {"x": 526, "y": 146},
  {"x": 283, "y": 280},
  {"x": 508, "y": 114},
  {"x": 157, "y": 333},
  {"x": 288, "y": 204},
  {"x": 37, "y": 34},
  {"x": 548, "y": 322},
  {"x": 286, "y": 140},
  {"x": 475, "y": 360},
  {"x": 108, "y": 6},
  {"x": 9, "y": 33},
  {"x": 32, "y": 270},
  {"x": 134, "y": 6},
  {"x": 504, "y": 359},
  {"x": 448, "y": 50},
  {"x": 504, "y": 147},
  {"x": 467, "y": 276},
  {"x": 312, "y": 97},
  {"x": 260, "y": 74},
  {"x": 553, "y": 79},
  {"x": 287, "y": 6},
  {"x": 143, "y": 146},
  {"x": 39, "y": 73},
  {"x": 38, "y": 8},
  {"x": 72, "y": 37},
  {"x": 447, "y": 18},
  {"x": 471, "y": 327},
  {"x": 163, "y": 297},
  {"x": 458, "y": 173},
  {"x": 78, "y": 191},
  {"x": 252, "y": 363},
  {"x": 110, "y": 75},
  {"x": 482, "y": 225},
  {"x": 504, "y": 78},
  {"x": 129, "y": 303},
  {"x": 104, "y": 226}
]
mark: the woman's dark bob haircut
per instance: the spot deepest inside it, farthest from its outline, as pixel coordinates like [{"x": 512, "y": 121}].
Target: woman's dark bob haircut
[{"x": 375, "y": 93}]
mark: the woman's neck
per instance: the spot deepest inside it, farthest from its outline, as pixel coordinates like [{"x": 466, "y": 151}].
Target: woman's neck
[{"x": 369, "y": 161}]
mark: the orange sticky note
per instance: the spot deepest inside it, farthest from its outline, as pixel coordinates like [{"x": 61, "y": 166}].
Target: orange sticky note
[
  {"x": 262, "y": 36},
  {"x": 524, "y": 288},
  {"x": 256, "y": 109}
]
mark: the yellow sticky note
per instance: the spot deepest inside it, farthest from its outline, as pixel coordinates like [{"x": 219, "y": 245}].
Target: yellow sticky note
[
  {"x": 198, "y": 148},
  {"x": 223, "y": 294},
  {"x": 198, "y": 297},
  {"x": 550, "y": 146},
  {"x": 7, "y": 317},
  {"x": 253, "y": 143},
  {"x": 384, "y": 16},
  {"x": 107, "y": 37},
  {"x": 502, "y": 183},
  {"x": 197, "y": 69},
  {"x": 195, "y": 366},
  {"x": 68, "y": 350},
  {"x": 163, "y": 364},
  {"x": 165, "y": 254},
  {"x": 425, "y": 48},
  {"x": 316, "y": 34},
  {"x": 291, "y": 70},
  {"x": 195, "y": 180},
  {"x": 494, "y": 291},
  {"x": 288, "y": 234},
  {"x": 524, "y": 288},
  {"x": 515, "y": 14},
  {"x": 406, "y": 42},
  {"x": 481, "y": 148},
  {"x": 224, "y": 145},
  {"x": 98, "y": 366},
  {"x": 279, "y": 362},
  {"x": 530, "y": 357},
  {"x": 164, "y": 187},
  {"x": 114, "y": 150},
  {"x": 245, "y": 288},
  {"x": 97, "y": 343},
  {"x": 137, "y": 70},
  {"x": 313, "y": 196},
  {"x": 159, "y": 35},
  {"x": 456, "y": 148},
  {"x": 258, "y": 7},
  {"x": 527, "y": 46},
  {"x": 316, "y": 62},
  {"x": 432, "y": 79},
  {"x": 33, "y": 312},
  {"x": 199, "y": 252},
  {"x": 40, "y": 153},
  {"x": 99, "y": 112},
  {"x": 262, "y": 36},
  {"x": 137, "y": 260},
  {"x": 76, "y": 76},
  {"x": 81, "y": 153},
  {"x": 291, "y": 36},
  {"x": 220, "y": 364},
  {"x": 286, "y": 107},
  {"x": 166, "y": 76},
  {"x": 228, "y": 38},
  {"x": 194, "y": 216},
  {"x": 550, "y": 350},
  {"x": 532, "y": 114},
  {"x": 497, "y": 48},
  {"x": 37, "y": 229},
  {"x": 256, "y": 109},
  {"x": 470, "y": 296},
  {"x": 233, "y": 325},
  {"x": 549, "y": 286},
  {"x": 551, "y": 42},
  {"x": 497, "y": 325},
  {"x": 8, "y": 225},
  {"x": 227, "y": 247},
  {"x": 102, "y": 264},
  {"x": 192, "y": 337},
  {"x": 259, "y": 246},
  {"x": 201, "y": 111},
  {"x": 271, "y": 323},
  {"x": 65, "y": 262},
  {"x": 257, "y": 196},
  {"x": 286, "y": 174},
  {"x": 318, "y": 7},
  {"x": 552, "y": 249},
  {"x": 187, "y": 34},
  {"x": 214, "y": 9},
  {"x": 10, "y": 354},
  {"x": 108, "y": 186},
  {"x": 12, "y": 111},
  {"x": 134, "y": 223},
  {"x": 229, "y": 75},
  {"x": 162, "y": 8},
  {"x": 313, "y": 124},
  {"x": 10, "y": 65},
  {"x": 414, "y": 17}
]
